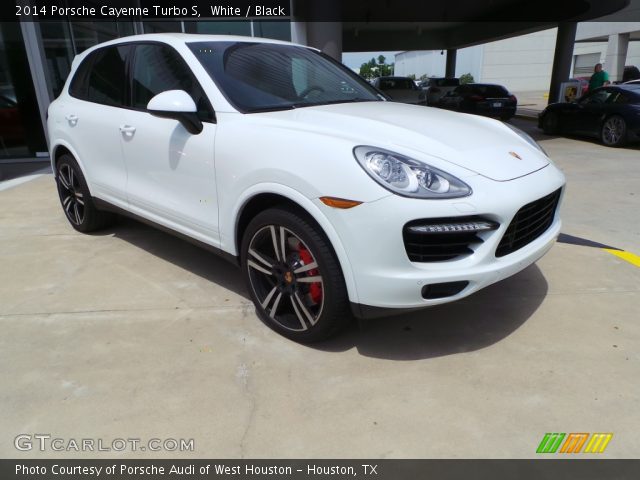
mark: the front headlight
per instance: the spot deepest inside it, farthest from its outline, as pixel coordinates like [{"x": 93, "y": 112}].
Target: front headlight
[
  {"x": 408, "y": 177},
  {"x": 527, "y": 138}
]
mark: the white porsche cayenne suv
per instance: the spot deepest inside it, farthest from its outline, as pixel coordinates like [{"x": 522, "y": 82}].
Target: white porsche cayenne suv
[{"x": 333, "y": 200}]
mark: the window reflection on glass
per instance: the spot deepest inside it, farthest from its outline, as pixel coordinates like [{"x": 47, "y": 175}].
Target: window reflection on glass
[
  {"x": 63, "y": 40},
  {"x": 58, "y": 51},
  {"x": 160, "y": 27},
  {"x": 19, "y": 112},
  {"x": 279, "y": 30},
  {"x": 88, "y": 34},
  {"x": 240, "y": 27}
]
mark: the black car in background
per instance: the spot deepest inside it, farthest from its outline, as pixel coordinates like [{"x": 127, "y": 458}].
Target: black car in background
[
  {"x": 631, "y": 72},
  {"x": 481, "y": 99},
  {"x": 610, "y": 113}
]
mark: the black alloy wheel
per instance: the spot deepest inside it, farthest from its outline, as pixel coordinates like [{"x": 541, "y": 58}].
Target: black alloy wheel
[
  {"x": 293, "y": 276},
  {"x": 614, "y": 131}
]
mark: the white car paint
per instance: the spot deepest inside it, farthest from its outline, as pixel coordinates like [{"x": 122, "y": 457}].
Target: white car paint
[{"x": 197, "y": 185}]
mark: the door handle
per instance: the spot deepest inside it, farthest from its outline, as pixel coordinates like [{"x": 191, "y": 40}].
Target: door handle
[
  {"x": 128, "y": 130},
  {"x": 72, "y": 119}
]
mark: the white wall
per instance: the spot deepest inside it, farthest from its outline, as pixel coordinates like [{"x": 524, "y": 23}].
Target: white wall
[
  {"x": 520, "y": 63},
  {"x": 633, "y": 54},
  {"x": 431, "y": 63}
]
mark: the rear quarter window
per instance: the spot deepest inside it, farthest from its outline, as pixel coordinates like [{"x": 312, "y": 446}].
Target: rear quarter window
[{"x": 80, "y": 81}]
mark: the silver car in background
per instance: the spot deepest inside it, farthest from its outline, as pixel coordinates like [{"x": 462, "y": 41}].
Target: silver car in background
[
  {"x": 401, "y": 89},
  {"x": 436, "y": 88}
]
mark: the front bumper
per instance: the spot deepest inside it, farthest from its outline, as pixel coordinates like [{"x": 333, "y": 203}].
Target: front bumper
[{"x": 385, "y": 277}]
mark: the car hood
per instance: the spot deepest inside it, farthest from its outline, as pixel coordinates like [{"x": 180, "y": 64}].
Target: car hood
[
  {"x": 478, "y": 144},
  {"x": 404, "y": 96}
]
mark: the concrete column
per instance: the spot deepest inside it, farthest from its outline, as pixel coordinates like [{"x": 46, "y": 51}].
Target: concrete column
[
  {"x": 326, "y": 36},
  {"x": 616, "y": 56},
  {"x": 39, "y": 71},
  {"x": 562, "y": 58},
  {"x": 299, "y": 32},
  {"x": 450, "y": 69}
]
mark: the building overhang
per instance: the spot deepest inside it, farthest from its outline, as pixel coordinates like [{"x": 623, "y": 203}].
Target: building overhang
[{"x": 383, "y": 25}]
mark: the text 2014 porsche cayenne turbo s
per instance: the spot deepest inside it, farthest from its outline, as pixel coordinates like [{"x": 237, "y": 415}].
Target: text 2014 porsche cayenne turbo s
[{"x": 332, "y": 199}]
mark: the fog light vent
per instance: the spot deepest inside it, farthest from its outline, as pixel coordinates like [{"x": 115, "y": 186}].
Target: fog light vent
[
  {"x": 441, "y": 239},
  {"x": 443, "y": 290}
]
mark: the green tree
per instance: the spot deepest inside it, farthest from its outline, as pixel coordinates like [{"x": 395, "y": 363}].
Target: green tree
[
  {"x": 466, "y": 78},
  {"x": 373, "y": 68}
]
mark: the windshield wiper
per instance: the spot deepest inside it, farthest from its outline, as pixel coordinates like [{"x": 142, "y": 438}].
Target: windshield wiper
[
  {"x": 291, "y": 106},
  {"x": 332, "y": 102}
]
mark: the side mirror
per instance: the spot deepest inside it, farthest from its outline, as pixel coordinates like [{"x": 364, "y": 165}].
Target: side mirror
[{"x": 179, "y": 105}]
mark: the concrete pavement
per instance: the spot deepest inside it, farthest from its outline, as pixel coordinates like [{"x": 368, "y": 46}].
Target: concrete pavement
[{"x": 131, "y": 333}]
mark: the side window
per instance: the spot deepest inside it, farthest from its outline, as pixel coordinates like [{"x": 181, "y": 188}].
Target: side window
[
  {"x": 107, "y": 76},
  {"x": 80, "y": 82},
  {"x": 597, "y": 98},
  {"x": 158, "y": 68},
  {"x": 618, "y": 98}
]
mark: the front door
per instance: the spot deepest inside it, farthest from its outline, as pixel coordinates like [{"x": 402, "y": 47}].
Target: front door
[
  {"x": 171, "y": 177},
  {"x": 593, "y": 109}
]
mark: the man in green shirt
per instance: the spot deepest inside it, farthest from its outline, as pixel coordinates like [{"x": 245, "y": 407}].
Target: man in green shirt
[{"x": 599, "y": 78}]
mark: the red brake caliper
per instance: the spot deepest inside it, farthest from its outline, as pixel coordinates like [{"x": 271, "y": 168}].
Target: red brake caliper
[{"x": 315, "y": 288}]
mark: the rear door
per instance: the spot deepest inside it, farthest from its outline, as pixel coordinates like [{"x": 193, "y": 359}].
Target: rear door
[
  {"x": 171, "y": 171},
  {"x": 91, "y": 120}
]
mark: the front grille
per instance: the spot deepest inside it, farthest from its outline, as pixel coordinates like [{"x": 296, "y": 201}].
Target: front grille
[
  {"x": 440, "y": 246},
  {"x": 529, "y": 223}
]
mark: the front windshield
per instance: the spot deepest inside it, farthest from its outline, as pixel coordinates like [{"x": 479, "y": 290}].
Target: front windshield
[{"x": 265, "y": 76}]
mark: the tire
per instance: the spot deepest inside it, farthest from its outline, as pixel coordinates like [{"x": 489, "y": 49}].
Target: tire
[
  {"x": 284, "y": 297},
  {"x": 614, "y": 131},
  {"x": 75, "y": 199},
  {"x": 550, "y": 123}
]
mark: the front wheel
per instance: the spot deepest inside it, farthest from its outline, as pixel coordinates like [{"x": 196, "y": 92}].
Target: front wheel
[
  {"x": 614, "y": 131},
  {"x": 293, "y": 276}
]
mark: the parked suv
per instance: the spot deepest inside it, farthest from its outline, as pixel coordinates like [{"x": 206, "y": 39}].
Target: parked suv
[
  {"x": 401, "y": 89},
  {"x": 437, "y": 88},
  {"x": 331, "y": 199}
]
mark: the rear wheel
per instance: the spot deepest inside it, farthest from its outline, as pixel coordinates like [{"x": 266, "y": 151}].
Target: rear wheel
[
  {"x": 293, "y": 276},
  {"x": 614, "y": 131},
  {"x": 75, "y": 198},
  {"x": 550, "y": 123}
]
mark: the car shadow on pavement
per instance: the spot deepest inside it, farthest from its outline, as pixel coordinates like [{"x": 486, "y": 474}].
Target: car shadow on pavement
[
  {"x": 597, "y": 142},
  {"x": 179, "y": 252},
  {"x": 473, "y": 323}
]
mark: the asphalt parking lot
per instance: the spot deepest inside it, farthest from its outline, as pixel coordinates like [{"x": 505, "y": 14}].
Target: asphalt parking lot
[{"x": 131, "y": 333}]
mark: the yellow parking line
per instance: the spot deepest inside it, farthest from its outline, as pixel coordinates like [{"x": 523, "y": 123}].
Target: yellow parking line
[{"x": 632, "y": 258}]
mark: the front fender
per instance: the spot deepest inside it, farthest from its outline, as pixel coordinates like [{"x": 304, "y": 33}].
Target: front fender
[{"x": 229, "y": 225}]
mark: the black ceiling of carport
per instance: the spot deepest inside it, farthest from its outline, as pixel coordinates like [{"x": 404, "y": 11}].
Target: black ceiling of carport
[{"x": 371, "y": 25}]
